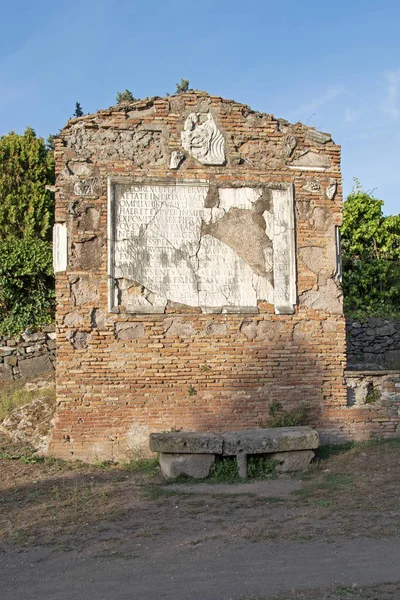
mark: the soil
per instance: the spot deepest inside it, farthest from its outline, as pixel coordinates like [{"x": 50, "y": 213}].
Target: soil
[{"x": 129, "y": 520}]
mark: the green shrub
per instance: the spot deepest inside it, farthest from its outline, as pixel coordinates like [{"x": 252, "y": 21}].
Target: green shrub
[{"x": 26, "y": 284}]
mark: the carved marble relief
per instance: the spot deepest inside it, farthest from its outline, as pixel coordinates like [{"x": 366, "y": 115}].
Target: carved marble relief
[
  {"x": 169, "y": 243},
  {"x": 203, "y": 141},
  {"x": 331, "y": 189},
  {"x": 290, "y": 145},
  {"x": 313, "y": 186}
]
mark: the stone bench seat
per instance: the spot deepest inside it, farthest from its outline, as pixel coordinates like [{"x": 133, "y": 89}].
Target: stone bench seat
[{"x": 193, "y": 454}]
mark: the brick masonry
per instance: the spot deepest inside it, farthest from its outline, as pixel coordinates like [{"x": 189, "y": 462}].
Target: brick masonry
[{"x": 122, "y": 376}]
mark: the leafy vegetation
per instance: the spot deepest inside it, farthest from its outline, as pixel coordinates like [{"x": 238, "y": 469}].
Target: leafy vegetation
[
  {"x": 26, "y": 218},
  {"x": 26, "y": 169},
  {"x": 279, "y": 417},
  {"x": 371, "y": 257}
]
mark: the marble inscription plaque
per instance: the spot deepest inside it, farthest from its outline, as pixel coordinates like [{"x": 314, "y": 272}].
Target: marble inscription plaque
[{"x": 166, "y": 245}]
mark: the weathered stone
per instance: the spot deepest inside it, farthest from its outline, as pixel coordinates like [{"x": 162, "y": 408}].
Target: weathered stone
[
  {"x": 85, "y": 291},
  {"x": 5, "y": 351},
  {"x": 260, "y": 331},
  {"x": 73, "y": 319},
  {"x": 34, "y": 348},
  {"x": 287, "y": 462},
  {"x": 313, "y": 257},
  {"x": 32, "y": 423},
  {"x": 51, "y": 344},
  {"x": 263, "y": 441},
  {"x": 6, "y": 372},
  {"x": 188, "y": 465},
  {"x": 39, "y": 336},
  {"x": 33, "y": 367},
  {"x": 186, "y": 443},
  {"x": 129, "y": 331},
  {"x": 11, "y": 360},
  {"x": 311, "y": 161},
  {"x": 178, "y": 327},
  {"x": 213, "y": 328},
  {"x": 89, "y": 220},
  {"x": 86, "y": 255},
  {"x": 98, "y": 318},
  {"x": 79, "y": 339},
  {"x": 317, "y": 137},
  {"x": 328, "y": 297}
]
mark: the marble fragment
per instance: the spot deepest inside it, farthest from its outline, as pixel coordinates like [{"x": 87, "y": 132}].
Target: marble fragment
[
  {"x": 290, "y": 145},
  {"x": 176, "y": 159},
  {"x": 331, "y": 189},
  {"x": 203, "y": 141}
]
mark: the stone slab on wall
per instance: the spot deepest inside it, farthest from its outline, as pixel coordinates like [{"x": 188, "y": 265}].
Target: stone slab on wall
[
  {"x": 373, "y": 344},
  {"x": 187, "y": 242}
]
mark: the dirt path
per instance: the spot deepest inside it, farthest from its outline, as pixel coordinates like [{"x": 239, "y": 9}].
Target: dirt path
[
  {"x": 212, "y": 571},
  {"x": 110, "y": 533}
]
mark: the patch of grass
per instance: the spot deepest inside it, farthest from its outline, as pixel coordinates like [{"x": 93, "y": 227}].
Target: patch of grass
[
  {"x": 331, "y": 482},
  {"x": 224, "y": 471},
  {"x": 14, "y": 397},
  {"x": 145, "y": 466},
  {"x": 153, "y": 492},
  {"x": 259, "y": 467}
]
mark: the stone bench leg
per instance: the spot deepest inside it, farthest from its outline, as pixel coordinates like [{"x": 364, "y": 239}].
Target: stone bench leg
[{"x": 241, "y": 460}]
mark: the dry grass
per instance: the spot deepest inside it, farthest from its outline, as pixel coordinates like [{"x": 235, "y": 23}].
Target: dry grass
[{"x": 15, "y": 394}]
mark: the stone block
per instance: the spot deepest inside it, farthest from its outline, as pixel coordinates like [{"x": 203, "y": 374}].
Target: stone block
[
  {"x": 6, "y": 372},
  {"x": 288, "y": 462},
  {"x": 34, "y": 367},
  {"x": 11, "y": 360},
  {"x": 189, "y": 465},
  {"x": 186, "y": 443},
  {"x": 263, "y": 441}
]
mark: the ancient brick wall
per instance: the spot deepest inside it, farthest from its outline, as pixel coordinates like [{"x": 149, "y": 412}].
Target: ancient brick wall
[{"x": 121, "y": 375}]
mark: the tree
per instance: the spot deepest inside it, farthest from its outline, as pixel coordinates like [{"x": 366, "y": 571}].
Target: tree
[
  {"x": 125, "y": 96},
  {"x": 182, "y": 87},
  {"x": 78, "y": 110},
  {"x": 26, "y": 218},
  {"x": 26, "y": 168},
  {"x": 371, "y": 256}
]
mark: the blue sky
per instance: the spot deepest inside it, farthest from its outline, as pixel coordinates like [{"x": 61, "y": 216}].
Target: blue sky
[{"x": 332, "y": 65}]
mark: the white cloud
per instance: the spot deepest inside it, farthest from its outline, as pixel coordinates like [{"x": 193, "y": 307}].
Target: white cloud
[
  {"x": 310, "y": 108},
  {"x": 391, "y": 101}
]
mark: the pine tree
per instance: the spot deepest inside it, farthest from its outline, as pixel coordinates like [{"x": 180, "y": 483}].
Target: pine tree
[
  {"x": 78, "y": 110},
  {"x": 183, "y": 86},
  {"x": 125, "y": 96}
]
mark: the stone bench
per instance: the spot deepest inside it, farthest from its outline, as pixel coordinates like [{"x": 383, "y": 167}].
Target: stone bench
[{"x": 193, "y": 454}]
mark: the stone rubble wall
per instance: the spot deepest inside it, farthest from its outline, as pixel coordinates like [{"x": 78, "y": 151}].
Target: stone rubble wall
[
  {"x": 373, "y": 344},
  {"x": 373, "y": 405},
  {"x": 29, "y": 355}
]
